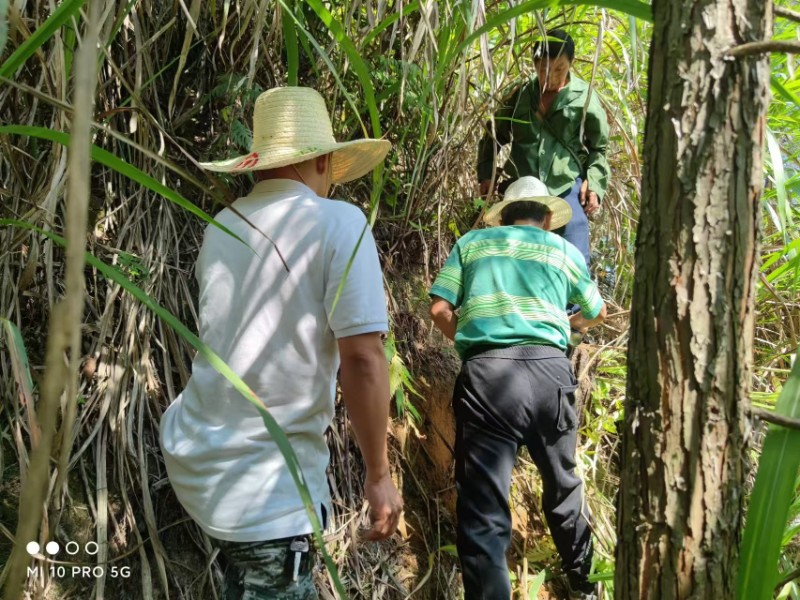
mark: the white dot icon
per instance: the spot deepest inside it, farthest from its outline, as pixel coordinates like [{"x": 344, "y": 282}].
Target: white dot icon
[
  {"x": 32, "y": 548},
  {"x": 52, "y": 547}
]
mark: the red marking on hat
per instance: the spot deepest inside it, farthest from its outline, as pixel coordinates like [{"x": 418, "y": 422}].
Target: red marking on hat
[{"x": 249, "y": 161}]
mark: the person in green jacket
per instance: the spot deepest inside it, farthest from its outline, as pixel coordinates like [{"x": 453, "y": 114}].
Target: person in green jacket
[{"x": 556, "y": 135}]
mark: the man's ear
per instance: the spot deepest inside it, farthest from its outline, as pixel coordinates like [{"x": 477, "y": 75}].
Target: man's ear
[
  {"x": 548, "y": 218},
  {"x": 322, "y": 163}
]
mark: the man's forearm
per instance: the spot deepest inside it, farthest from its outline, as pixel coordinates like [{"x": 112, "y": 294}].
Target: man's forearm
[
  {"x": 581, "y": 323},
  {"x": 365, "y": 389},
  {"x": 598, "y": 174},
  {"x": 447, "y": 324}
]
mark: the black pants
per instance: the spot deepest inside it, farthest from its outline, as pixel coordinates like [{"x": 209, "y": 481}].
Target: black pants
[{"x": 503, "y": 399}]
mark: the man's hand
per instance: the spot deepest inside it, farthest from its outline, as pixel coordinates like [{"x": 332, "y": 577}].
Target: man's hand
[
  {"x": 485, "y": 188},
  {"x": 589, "y": 200},
  {"x": 385, "y": 507},
  {"x": 580, "y": 323},
  {"x": 443, "y": 316}
]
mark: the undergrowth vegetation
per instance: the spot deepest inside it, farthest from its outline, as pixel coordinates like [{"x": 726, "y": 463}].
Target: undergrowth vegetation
[{"x": 176, "y": 85}]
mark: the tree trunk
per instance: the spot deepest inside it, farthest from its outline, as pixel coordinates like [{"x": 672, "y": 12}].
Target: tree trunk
[{"x": 689, "y": 361}]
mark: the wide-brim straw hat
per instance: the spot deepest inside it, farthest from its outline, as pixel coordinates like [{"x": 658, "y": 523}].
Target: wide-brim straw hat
[
  {"x": 292, "y": 125},
  {"x": 527, "y": 189}
]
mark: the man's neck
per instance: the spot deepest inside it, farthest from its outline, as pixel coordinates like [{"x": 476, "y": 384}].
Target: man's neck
[
  {"x": 307, "y": 178},
  {"x": 554, "y": 91},
  {"x": 529, "y": 222}
]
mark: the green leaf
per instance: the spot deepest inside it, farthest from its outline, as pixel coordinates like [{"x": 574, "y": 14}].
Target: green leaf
[
  {"x": 19, "y": 359},
  {"x": 771, "y": 498},
  {"x": 3, "y": 24},
  {"x": 309, "y": 39},
  {"x": 347, "y": 270},
  {"x": 388, "y": 21},
  {"x": 536, "y": 585},
  {"x": 779, "y": 177},
  {"x": 290, "y": 43},
  {"x": 223, "y": 369},
  {"x": 634, "y": 8},
  {"x": 358, "y": 64},
  {"x": 241, "y": 135},
  {"x": 120, "y": 166},
  {"x": 784, "y": 92},
  {"x": 65, "y": 11}
]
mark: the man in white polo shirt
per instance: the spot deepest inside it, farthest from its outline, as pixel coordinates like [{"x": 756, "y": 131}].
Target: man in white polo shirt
[{"x": 285, "y": 310}]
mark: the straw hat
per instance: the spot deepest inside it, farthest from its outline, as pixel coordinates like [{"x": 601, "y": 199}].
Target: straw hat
[
  {"x": 292, "y": 125},
  {"x": 531, "y": 189}
]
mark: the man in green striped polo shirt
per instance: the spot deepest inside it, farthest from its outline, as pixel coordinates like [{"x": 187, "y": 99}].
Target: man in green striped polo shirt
[{"x": 501, "y": 296}]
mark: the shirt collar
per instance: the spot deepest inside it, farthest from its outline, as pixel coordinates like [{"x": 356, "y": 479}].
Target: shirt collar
[
  {"x": 272, "y": 186},
  {"x": 575, "y": 86}
]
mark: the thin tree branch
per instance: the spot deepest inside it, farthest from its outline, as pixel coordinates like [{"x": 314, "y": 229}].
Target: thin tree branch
[
  {"x": 765, "y": 46},
  {"x": 776, "y": 419},
  {"x": 787, "y": 14}
]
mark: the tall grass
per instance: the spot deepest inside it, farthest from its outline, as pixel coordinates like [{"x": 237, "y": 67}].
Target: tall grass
[{"x": 774, "y": 491}]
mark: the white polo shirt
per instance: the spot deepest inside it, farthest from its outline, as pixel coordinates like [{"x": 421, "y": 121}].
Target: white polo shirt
[{"x": 277, "y": 330}]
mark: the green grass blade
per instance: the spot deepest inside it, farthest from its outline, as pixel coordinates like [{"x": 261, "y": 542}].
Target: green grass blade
[
  {"x": 347, "y": 269},
  {"x": 772, "y": 496},
  {"x": 358, "y": 64},
  {"x": 784, "y": 92},
  {"x": 223, "y": 369},
  {"x": 3, "y": 24},
  {"x": 388, "y": 21},
  {"x": 21, "y": 367},
  {"x": 290, "y": 43},
  {"x": 536, "y": 584},
  {"x": 120, "y": 166},
  {"x": 634, "y": 8},
  {"x": 307, "y": 37},
  {"x": 779, "y": 176},
  {"x": 39, "y": 37},
  {"x": 19, "y": 358}
]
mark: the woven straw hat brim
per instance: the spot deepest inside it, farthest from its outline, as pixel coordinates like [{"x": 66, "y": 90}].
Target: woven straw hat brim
[
  {"x": 357, "y": 158},
  {"x": 350, "y": 160},
  {"x": 560, "y": 208}
]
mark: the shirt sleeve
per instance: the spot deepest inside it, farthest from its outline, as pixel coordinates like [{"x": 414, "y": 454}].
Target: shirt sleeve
[
  {"x": 449, "y": 283},
  {"x": 598, "y": 171},
  {"x": 584, "y": 291},
  {"x": 490, "y": 144},
  {"x": 354, "y": 296}
]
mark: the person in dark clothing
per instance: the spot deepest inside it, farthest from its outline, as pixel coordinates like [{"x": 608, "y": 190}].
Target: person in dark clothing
[
  {"x": 558, "y": 133},
  {"x": 516, "y": 387}
]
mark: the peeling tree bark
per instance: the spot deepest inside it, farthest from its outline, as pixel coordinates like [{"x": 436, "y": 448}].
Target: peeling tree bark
[{"x": 689, "y": 361}]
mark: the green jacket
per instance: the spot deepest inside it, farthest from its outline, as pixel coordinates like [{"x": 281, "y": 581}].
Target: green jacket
[{"x": 535, "y": 149}]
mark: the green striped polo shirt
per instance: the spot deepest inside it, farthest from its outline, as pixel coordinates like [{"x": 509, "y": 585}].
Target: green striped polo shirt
[{"x": 511, "y": 286}]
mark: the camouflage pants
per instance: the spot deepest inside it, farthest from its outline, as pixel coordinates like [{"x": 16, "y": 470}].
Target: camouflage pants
[{"x": 264, "y": 571}]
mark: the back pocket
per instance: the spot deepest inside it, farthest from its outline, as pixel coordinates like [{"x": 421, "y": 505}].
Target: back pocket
[{"x": 567, "y": 419}]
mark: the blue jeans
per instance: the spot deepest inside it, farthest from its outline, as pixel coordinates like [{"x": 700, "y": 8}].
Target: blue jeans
[{"x": 577, "y": 230}]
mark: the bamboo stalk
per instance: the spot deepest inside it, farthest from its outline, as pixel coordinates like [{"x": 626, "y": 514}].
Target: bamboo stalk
[{"x": 66, "y": 316}]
